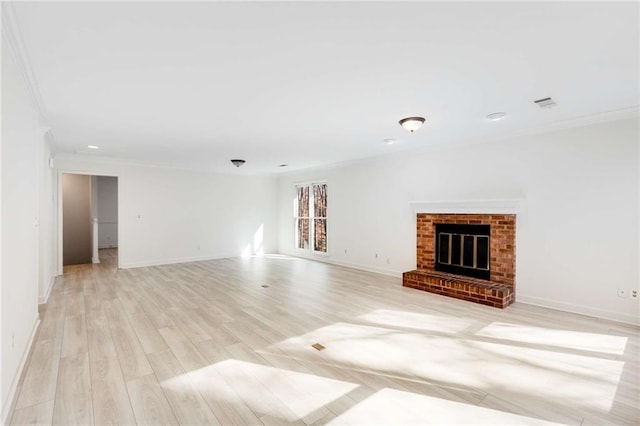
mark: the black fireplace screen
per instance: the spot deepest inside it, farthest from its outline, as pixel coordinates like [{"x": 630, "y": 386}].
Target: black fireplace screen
[{"x": 463, "y": 250}]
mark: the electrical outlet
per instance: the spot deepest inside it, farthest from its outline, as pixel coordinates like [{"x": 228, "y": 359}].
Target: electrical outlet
[
  {"x": 622, "y": 293},
  {"x": 345, "y": 251},
  {"x": 13, "y": 340},
  {"x": 376, "y": 255},
  {"x": 634, "y": 294}
]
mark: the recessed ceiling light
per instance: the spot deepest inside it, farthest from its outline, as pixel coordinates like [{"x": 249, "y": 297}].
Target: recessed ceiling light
[
  {"x": 93, "y": 147},
  {"x": 283, "y": 165},
  {"x": 390, "y": 141},
  {"x": 495, "y": 116}
]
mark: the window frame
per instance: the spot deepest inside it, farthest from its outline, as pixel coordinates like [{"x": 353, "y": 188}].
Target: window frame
[{"x": 311, "y": 208}]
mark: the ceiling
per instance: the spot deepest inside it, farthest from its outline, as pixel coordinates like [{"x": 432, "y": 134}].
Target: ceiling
[{"x": 308, "y": 84}]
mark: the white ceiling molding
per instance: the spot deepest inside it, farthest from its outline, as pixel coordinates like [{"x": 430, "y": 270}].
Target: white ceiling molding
[
  {"x": 11, "y": 33},
  {"x": 87, "y": 157},
  {"x": 601, "y": 117},
  {"x": 493, "y": 206},
  {"x": 585, "y": 120}
]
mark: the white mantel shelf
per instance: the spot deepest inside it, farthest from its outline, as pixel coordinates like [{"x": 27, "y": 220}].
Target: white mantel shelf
[{"x": 497, "y": 206}]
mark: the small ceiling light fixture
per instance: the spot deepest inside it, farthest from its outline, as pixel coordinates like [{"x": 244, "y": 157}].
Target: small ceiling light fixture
[
  {"x": 283, "y": 165},
  {"x": 93, "y": 147},
  {"x": 495, "y": 116},
  {"x": 390, "y": 141},
  {"x": 237, "y": 162},
  {"x": 412, "y": 123}
]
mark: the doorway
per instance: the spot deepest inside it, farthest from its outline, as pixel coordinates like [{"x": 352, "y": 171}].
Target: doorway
[
  {"x": 76, "y": 219},
  {"x": 88, "y": 220}
]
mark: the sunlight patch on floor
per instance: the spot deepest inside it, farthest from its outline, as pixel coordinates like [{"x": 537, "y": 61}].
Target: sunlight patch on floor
[
  {"x": 442, "y": 323},
  {"x": 515, "y": 372},
  {"x": 301, "y": 393},
  {"x": 595, "y": 342},
  {"x": 390, "y": 406}
]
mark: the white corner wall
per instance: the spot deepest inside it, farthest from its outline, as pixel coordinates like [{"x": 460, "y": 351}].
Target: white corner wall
[
  {"x": 170, "y": 216},
  {"x": 577, "y": 237},
  {"x": 107, "y": 210},
  {"x": 47, "y": 246},
  {"x": 19, "y": 238}
]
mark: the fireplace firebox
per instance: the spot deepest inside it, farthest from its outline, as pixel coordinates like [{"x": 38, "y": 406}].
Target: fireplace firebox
[
  {"x": 463, "y": 249},
  {"x": 480, "y": 246}
]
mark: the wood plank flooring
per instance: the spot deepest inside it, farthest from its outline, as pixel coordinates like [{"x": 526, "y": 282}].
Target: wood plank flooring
[{"x": 206, "y": 343}]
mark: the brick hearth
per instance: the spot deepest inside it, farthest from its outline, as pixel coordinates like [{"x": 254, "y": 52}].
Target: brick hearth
[{"x": 499, "y": 291}]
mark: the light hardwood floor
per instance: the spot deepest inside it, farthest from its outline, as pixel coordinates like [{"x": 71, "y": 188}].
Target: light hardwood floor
[{"x": 207, "y": 343}]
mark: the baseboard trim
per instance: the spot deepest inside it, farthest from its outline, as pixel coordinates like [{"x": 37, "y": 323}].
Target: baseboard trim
[
  {"x": 10, "y": 402},
  {"x": 360, "y": 267},
  {"x": 45, "y": 298},
  {"x": 578, "y": 309},
  {"x": 145, "y": 264},
  {"x": 366, "y": 268},
  {"x": 529, "y": 300}
]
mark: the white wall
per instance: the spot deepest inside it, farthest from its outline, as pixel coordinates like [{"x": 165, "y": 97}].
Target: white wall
[
  {"x": 577, "y": 239},
  {"x": 107, "y": 201},
  {"x": 19, "y": 275},
  {"x": 46, "y": 226},
  {"x": 169, "y": 215}
]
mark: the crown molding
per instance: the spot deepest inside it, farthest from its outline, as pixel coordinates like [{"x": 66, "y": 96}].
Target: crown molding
[
  {"x": 118, "y": 161},
  {"x": 556, "y": 126},
  {"x": 11, "y": 34},
  {"x": 580, "y": 121},
  {"x": 630, "y": 112},
  {"x": 127, "y": 162}
]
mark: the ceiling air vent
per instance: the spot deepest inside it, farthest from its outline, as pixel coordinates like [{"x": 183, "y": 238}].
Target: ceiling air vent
[{"x": 545, "y": 103}]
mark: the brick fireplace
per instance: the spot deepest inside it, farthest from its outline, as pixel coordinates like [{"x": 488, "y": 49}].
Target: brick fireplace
[{"x": 496, "y": 287}]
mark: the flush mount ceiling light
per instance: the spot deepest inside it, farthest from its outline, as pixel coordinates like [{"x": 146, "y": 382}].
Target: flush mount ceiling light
[
  {"x": 412, "y": 123},
  {"x": 495, "y": 116},
  {"x": 390, "y": 141},
  {"x": 283, "y": 165},
  {"x": 93, "y": 147},
  {"x": 237, "y": 162}
]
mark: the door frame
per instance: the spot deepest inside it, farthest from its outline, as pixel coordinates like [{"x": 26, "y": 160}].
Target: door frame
[{"x": 60, "y": 211}]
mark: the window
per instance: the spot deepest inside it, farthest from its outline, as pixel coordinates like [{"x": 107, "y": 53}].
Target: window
[
  {"x": 302, "y": 218},
  {"x": 311, "y": 217}
]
